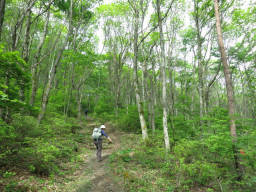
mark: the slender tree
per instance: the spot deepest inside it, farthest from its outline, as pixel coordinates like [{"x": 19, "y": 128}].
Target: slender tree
[
  {"x": 135, "y": 71},
  {"x": 229, "y": 87},
  {"x": 54, "y": 66},
  {"x": 37, "y": 61},
  {"x": 163, "y": 72},
  {"x": 2, "y": 11}
]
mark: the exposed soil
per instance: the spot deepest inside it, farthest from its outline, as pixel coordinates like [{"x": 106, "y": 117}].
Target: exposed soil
[{"x": 96, "y": 176}]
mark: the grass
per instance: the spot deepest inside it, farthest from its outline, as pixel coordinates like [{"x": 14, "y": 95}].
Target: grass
[
  {"x": 190, "y": 167},
  {"x": 140, "y": 166}
]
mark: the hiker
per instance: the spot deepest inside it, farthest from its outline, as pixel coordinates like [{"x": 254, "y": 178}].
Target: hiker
[
  {"x": 97, "y": 139},
  {"x": 86, "y": 113}
]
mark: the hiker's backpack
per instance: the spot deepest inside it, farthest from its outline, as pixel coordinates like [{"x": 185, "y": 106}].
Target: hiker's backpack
[{"x": 96, "y": 134}]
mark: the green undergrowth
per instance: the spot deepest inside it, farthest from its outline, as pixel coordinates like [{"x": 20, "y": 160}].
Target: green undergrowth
[
  {"x": 36, "y": 155},
  {"x": 202, "y": 164},
  {"x": 140, "y": 165}
]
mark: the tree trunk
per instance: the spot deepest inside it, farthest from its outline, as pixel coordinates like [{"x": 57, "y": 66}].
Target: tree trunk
[
  {"x": 136, "y": 81},
  {"x": 34, "y": 67},
  {"x": 143, "y": 80},
  {"x": 163, "y": 72},
  {"x": 53, "y": 69},
  {"x": 229, "y": 89},
  {"x": 48, "y": 86},
  {"x": 152, "y": 107},
  {"x": 2, "y": 11},
  {"x": 79, "y": 103},
  {"x": 200, "y": 64},
  {"x": 18, "y": 25},
  {"x": 172, "y": 109},
  {"x": 69, "y": 89},
  {"x": 152, "y": 99},
  {"x": 252, "y": 92},
  {"x": 118, "y": 72},
  {"x": 27, "y": 38}
]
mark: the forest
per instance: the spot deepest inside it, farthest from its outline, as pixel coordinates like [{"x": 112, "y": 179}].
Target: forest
[{"x": 174, "y": 81}]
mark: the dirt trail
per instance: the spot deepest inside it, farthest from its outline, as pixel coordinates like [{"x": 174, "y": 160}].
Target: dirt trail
[{"x": 96, "y": 176}]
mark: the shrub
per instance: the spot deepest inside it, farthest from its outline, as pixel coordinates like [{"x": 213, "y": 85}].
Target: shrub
[
  {"x": 104, "y": 105},
  {"x": 7, "y": 142},
  {"x": 25, "y": 126},
  {"x": 202, "y": 162},
  {"x": 41, "y": 156},
  {"x": 129, "y": 120},
  {"x": 14, "y": 79},
  {"x": 39, "y": 149}
]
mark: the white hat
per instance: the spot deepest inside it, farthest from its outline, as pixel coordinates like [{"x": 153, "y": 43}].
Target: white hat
[{"x": 102, "y": 127}]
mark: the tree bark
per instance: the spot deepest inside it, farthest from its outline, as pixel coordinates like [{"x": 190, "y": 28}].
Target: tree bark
[
  {"x": 152, "y": 101},
  {"x": 163, "y": 72},
  {"x": 229, "y": 89},
  {"x": 172, "y": 95},
  {"x": 135, "y": 76},
  {"x": 200, "y": 64},
  {"x": 79, "y": 97},
  {"x": 2, "y": 11},
  {"x": 27, "y": 38}
]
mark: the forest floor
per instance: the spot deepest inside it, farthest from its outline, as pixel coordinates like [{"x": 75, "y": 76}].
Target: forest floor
[
  {"x": 93, "y": 176},
  {"x": 82, "y": 173}
]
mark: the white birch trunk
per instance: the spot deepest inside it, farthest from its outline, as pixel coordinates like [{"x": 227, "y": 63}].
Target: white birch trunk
[
  {"x": 136, "y": 82},
  {"x": 163, "y": 72}
]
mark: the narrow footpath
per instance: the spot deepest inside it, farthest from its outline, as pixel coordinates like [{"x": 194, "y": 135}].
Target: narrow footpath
[{"x": 96, "y": 176}]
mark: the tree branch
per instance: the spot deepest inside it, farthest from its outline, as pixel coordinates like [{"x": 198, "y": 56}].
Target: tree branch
[{"x": 154, "y": 28}]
